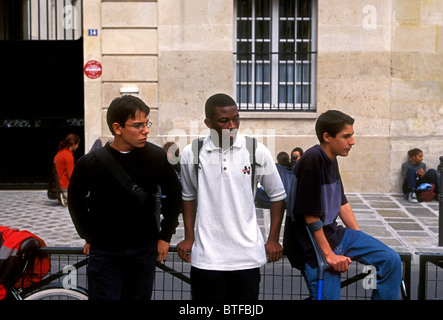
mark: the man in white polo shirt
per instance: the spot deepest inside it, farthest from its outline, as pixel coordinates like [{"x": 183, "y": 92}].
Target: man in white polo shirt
[{"x": 222, "y": 231}]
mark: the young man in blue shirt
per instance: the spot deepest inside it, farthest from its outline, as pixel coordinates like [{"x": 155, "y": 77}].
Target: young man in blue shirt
[{"x": 316, "y": 199}]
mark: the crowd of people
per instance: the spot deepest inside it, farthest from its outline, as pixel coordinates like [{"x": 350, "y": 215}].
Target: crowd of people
[{"x": 216, "y": 186}]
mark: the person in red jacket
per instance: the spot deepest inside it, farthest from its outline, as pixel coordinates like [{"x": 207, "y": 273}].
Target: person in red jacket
[{"x": 64, "y": 164}]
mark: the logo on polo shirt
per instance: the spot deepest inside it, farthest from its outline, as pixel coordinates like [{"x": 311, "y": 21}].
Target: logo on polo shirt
[{"x": 246, "y": 170}]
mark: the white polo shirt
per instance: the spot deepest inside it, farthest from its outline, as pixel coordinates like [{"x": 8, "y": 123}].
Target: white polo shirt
[{"x": 227, "y": 235}]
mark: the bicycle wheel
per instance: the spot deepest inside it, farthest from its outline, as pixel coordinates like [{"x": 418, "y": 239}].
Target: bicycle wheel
[{"x": 57, "y": 294}]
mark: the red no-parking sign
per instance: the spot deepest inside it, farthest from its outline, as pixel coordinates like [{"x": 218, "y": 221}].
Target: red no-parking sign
[{"x": 93, "y": 69}]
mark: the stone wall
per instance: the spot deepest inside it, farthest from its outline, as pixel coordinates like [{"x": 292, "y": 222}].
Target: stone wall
[
  {"x": 416, "y": 83},
  {"x": 195, "y": 61},
  {"x": 379, "y": 61},
  {"x": 354, "y": 77}
]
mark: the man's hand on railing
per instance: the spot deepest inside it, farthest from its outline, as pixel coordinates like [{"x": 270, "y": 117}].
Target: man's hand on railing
[
  {"x": 184, "y": 249},
  {"x": 162, "y": 248},
  {"x": 86, "y": 248}
]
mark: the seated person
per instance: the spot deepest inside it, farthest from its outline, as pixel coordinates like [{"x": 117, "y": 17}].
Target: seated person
[
  {"x": 414, "y": 174},
  {"x": 316, "y": 199}
]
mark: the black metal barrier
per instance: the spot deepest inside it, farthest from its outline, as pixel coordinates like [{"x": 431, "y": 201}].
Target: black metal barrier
[
  {"x": 279, "y": 281},
  {"x": 430, "y": 283}
]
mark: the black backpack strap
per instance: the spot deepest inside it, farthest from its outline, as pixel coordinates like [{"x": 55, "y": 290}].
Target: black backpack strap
[
  {"x": 197, "y": 144},
  {"x": 120, "y": 174},
  {"x": 251, "y": 145}
]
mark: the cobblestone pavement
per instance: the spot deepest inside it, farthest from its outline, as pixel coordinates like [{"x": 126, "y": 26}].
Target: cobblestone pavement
[{"x": 404, "y": 226}]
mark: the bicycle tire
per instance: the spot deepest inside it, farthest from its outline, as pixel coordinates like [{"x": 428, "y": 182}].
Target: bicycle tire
[{"x": 57, "y": 294}]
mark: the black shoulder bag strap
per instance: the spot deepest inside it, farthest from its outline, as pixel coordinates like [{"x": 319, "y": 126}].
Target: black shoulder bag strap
[
  {"x": 197, "y": 144},
  {"x": 120, "y": 174}
]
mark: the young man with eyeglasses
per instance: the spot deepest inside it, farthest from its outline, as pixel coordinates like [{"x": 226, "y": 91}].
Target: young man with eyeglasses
[{"x": 122, "y": 237}]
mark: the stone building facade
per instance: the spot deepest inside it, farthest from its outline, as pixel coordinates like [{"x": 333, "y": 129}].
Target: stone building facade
[{"x": 380, "y": 61}]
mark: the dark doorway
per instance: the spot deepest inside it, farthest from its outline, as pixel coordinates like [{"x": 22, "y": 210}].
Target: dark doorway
[{"x": 41, "y": 102}]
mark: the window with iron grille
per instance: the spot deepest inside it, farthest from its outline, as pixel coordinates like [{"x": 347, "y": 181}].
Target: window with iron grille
[
  {"x": 275, "y": 55},
  {"x": 40, "y": 19}
]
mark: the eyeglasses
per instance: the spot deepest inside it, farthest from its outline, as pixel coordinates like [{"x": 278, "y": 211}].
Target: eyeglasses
[{"x": 140, "y": 126}]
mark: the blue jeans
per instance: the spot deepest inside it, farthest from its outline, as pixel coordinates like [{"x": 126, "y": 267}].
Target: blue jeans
[
  {"x": 124, "y": 274},
  {"x": 365, "y": 249}
]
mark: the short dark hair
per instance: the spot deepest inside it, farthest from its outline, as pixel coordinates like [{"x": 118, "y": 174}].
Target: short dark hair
[
  {"x": 217, "y": 100},
  {"x": 414, "y": 152},
  {"x": 282, "y": 158},
  {"x": 332, "y": 122},
  {"x": 300, "y": 150},
  {"x": 124, "y": 107}
]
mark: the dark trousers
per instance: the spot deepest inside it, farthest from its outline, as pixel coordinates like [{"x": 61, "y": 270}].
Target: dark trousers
[
  {"x": 126, "y": 274},
  {"x": 225, "y": 285},
  {"x": 411, "y": 182}
]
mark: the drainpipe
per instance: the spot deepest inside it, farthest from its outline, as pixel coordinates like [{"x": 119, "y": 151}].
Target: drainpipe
[{"x": 440, "y": 204}]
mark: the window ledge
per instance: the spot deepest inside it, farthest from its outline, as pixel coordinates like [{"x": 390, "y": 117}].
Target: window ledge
[{"x": 277, "y": 115}]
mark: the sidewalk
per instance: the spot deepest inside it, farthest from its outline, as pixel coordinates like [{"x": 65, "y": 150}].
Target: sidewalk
[{"x": 404, "y": 226}]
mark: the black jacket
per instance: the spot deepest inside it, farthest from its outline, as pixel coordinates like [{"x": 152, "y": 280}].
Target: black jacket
[{"x": 107, "y": 215}]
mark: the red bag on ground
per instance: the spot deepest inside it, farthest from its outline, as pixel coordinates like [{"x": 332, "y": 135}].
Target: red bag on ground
[{"x": 427, "y": 195}]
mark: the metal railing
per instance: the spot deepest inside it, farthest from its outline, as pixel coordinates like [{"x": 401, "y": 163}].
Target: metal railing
[
  {"x": 275, "y": 81},
  {"x": 279, "y": 280},
  {"x": 430, "y": 283}
]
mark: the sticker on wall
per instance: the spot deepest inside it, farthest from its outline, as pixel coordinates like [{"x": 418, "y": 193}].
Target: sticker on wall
[
  {"x": 92, "y": 32},
  {"x": 93, "y": 69}
]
